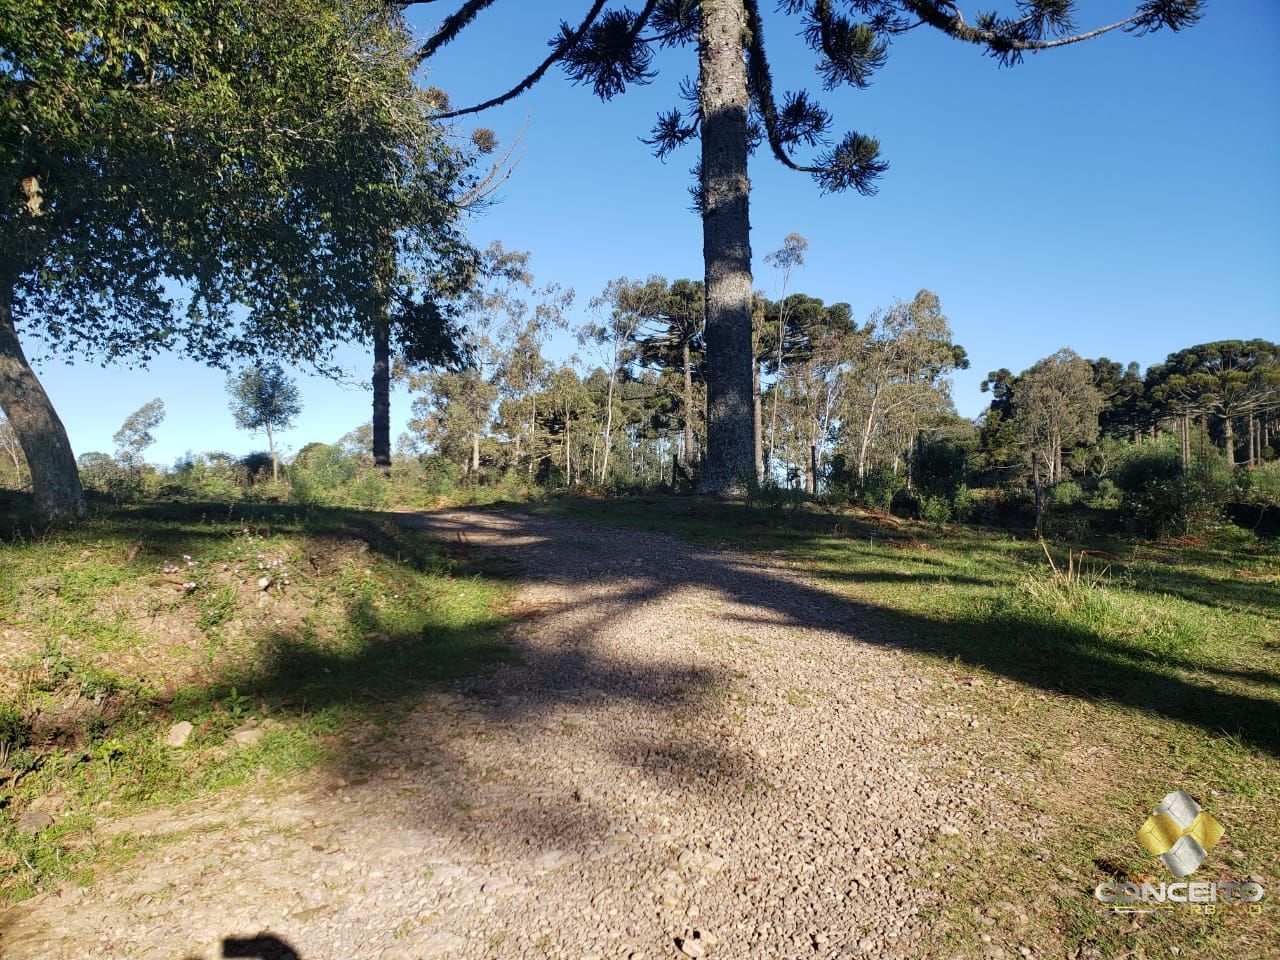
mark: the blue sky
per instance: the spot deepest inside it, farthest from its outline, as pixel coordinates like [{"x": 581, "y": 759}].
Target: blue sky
[{"x": 1121, "y": 197}]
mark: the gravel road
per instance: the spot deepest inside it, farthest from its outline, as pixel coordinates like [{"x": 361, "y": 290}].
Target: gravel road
[{"x": 699, "y": 754}]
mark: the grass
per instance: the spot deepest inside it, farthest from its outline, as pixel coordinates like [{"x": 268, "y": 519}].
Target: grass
[
  {"x": 314, "y": 623},
  {"x": 1096, "y": 693}
]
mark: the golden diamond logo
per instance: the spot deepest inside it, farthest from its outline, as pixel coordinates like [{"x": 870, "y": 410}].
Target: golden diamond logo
[{"x": 1181, "y": 833}]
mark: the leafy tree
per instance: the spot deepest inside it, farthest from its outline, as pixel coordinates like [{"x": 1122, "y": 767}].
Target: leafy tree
[
  {"x": 627, "y": 303},
  {"x": 134, "y": 435},
  {"x": 264, "y": 398},
  {"x": 11, "y": 448},
  {"x": 820, "y": 342},
  {"x": 245, "y": 152},
  {"x": 1056, "y": 404},
  {"x": 900, "y": 374},
  {"x": 734, "y": 107},
  {"x": 501, "y": 309},
  {"x": 785, "y": 260}
]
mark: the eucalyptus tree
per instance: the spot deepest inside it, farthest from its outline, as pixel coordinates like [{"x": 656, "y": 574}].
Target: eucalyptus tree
[
  {"x": 811, "y": 390},
  {"x": 785, "y": 261},
  {"x": 1055, "y": 404},
  {"x": 134, "y": 435},
  {"x": 733, "y": 107},
  {"x": 494, "y": 314},
  {"x": 167, "y": 161},
  {"x": 620, "y": 310},
  {"x": 899, "y": 373}
]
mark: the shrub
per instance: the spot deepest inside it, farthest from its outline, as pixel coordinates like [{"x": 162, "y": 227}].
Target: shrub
[
  {"x": 101, "y": 473},
  {"x": 935, "y": 510},
  {"x": 439, "y": 475},
  {"x": 370, "y": 492},
  {"x": 879, "y": 487},
  {"x": 1107, "y": 494},
  {"x": 1148, "y": 462},
  {"x": 1066, "y": 494},
  {"x": 963, "y": 504}
]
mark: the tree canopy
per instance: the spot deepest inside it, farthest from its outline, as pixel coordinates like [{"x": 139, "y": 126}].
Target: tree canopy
[{"x": 220, "y": 178}]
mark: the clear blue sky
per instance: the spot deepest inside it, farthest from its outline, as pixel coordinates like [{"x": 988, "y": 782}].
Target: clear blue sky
[{"x": 1121, "y": 197}]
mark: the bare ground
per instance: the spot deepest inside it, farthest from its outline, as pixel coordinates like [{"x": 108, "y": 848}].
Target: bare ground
[{"x": 699, "y": 754}]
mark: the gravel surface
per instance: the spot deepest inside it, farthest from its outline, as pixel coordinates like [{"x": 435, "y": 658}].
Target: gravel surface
[{"x": 697, "y": 756}]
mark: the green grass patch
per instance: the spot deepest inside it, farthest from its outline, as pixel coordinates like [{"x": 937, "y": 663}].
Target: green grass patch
[{"x": 313, "y": 623}]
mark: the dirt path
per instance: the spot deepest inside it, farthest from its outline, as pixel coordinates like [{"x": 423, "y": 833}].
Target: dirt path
[{"x": 694, "y": 741}]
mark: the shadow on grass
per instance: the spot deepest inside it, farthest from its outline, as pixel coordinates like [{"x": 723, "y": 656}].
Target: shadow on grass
[{"x": 1058, "y": 657}]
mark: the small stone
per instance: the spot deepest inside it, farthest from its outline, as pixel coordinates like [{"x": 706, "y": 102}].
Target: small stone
[
  {"x": 33, "y": 821},
  {"x": 178, "y": 734},
  {"x": 947, "y": 830},
  {"x": 264, "y": 583},
  {"x": 693, "y": 945},
  {"x": 247, "y": 735},
  {"x": 866, "y": 944}
]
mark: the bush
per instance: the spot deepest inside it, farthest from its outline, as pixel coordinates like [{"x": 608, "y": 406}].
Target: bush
[
  {"x": 1266, "y": 484},
  {"x": 939, "y": 466},
  {"x": 935, "y": 510},
  {"x": 1066, "y": 494},
  {"x": 1148, "y": 462},
  {"x": 964, "y": 504},
  {"x": 439, "y": 475},
  {"x": 370, "y": 492},
  {"x": 879, "y": 488},
  {"x": 210, "y": 476},
  {"x": 100, "y": 473},
  {"x": 1107, "y": 494}
]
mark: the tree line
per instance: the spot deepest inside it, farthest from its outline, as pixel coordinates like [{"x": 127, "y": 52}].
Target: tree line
[{"x": 266, "y": 179}]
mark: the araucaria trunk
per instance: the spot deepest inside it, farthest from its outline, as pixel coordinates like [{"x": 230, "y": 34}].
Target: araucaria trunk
[
  {"x": 55, "y": 481},
  {"x": 382, "y": 396},
  {"x": 758, "y": 419},
  {"x": 726, "y": 248},
  {"x": 688, "y": 402}
]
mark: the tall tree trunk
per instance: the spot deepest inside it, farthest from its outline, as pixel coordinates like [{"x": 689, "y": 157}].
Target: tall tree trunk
[
  {"x": 1252, "y": 446},
  {"x": 726, "y": 247},
  {"x": 382, "y": 395},
  {"x": 1229, "y": 443},
  {"x": 1035, "y": 480},
  {"x": 608, "y": 424},
  {"x": 688, "y": 403},
  {"x": 275, "y": 461},
  {"x": 55, "y": 481},
  {"x": 865, "y": 444},
  {"x": 475, "y": 451},
  {"x": 758, "y": 406},
  {"x": 813, "y": 469}
]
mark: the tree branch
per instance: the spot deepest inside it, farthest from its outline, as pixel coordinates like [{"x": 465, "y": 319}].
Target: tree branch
[
  {"x": 564, "y": 46},
  {"x": 451, "y": 27}
]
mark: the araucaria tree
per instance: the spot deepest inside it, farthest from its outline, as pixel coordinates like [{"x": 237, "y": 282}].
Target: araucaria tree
[
  {"x": 264, "y": 398},
  {"x": 165, "y": 161},
  {"x": 734, "y": 107}
]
